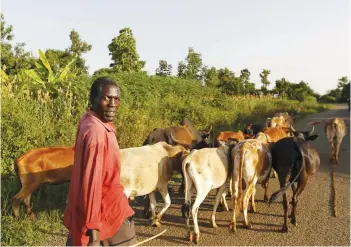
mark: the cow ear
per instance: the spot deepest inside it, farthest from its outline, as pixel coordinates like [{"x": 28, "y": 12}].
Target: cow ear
[{"x": 312, "y": 137}]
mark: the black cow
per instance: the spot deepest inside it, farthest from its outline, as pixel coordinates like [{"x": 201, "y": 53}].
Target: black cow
[{"x": 294, "y": 159}]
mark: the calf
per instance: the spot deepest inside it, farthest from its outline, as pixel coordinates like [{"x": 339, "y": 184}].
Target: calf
[
  {"x": 204, "y": 170},
  {"x": 41, "y": 166},
  {"x": 336, "y": 130},
  {"x": 252, "y": 160},
  {"x": 294, "y": 159}
]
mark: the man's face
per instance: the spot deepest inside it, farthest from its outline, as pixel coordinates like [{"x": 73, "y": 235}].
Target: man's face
[{"x": 107, "y": 103}]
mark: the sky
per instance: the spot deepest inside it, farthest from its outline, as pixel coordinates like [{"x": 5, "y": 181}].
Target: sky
[{"x": 298, "y": 40}]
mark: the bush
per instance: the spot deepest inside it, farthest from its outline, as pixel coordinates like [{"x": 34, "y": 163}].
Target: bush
[{"x": 328, "y": 99}]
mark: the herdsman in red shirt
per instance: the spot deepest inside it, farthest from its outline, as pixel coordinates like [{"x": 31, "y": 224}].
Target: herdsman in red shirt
[{"x": 98, "y": 212}]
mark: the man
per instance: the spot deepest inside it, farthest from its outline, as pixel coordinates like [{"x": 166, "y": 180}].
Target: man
[{"x": 98, "y": 212}]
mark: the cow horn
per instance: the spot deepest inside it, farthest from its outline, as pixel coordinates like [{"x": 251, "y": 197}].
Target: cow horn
[
  {"x": 311, "y": 131},
  {"x": 179, "y": 142},
  {"x": 292, "y": 128},
  {"x": 148, "y": 239},
  {"x": 209, "y": 131}
]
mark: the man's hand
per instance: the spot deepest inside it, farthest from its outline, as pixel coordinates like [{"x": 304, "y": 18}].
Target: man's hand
[
  {"x": 94, "y": 243},
  {"x": 94, "y": 238}
]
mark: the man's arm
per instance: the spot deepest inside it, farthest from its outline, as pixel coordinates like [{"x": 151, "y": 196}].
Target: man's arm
[{"x": 92, "y": 190}]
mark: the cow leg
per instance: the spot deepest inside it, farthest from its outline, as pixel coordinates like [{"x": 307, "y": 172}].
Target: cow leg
[
  {"x": 21, "y": 196},
  {"x": 147, "y": 207},
  {"x": 236, "y": 207},
  {"x": 224, "y": 201},
  {"x": 218, "y": 198},
  {"x": 200, "y": 197},
  {"x": 332, "y": 150},
  {"x": 202, "y": 191},
  {"x": 167, "y": 200},
  {"x": 337, "y": 149},
  {"x": 264, "y": 185},
  {"x": 230, "y": 192},
  {"x": 153, "y": 206},
  {"x": 301, "y": 184},
  {"x": 247, "y": 194},
  {"x": 253, "y": 205},
  {"x": 285, "y": 206},
  {"x": 221, "y": 204},
  {"x": 182, "y": 185},
  {"x": 29, "y": 208}
]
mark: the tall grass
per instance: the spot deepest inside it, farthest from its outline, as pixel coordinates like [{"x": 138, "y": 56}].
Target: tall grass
[{"x": 147, "y": 102}]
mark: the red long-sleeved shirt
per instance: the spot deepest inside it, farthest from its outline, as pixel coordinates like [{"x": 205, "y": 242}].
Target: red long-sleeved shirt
[{"x": 95, "y": 198}]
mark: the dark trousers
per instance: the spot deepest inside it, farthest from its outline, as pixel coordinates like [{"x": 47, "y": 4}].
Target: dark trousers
[{"x": 125, "y": 236}]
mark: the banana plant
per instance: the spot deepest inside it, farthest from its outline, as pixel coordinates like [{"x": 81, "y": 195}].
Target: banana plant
[{"x": 43, "y": 70}]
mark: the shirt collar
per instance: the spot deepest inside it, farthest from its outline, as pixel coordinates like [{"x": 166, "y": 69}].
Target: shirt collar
[{"x": 109, "y": 125}]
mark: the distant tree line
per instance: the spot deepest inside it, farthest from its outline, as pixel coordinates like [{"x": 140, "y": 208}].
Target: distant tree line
[{"x": 55, "y": 66}]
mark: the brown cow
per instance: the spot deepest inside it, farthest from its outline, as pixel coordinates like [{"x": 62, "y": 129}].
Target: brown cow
[
  {"x": 225, "y": 136},
  {"x": 280, "y": 120},
  {"x": 251, "y": 161},
  {"x": 41, "y": 166},
  {"x": 336, "y": 130}
]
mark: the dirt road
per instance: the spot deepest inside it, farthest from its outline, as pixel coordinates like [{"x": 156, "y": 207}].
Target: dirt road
[{"x": 316, "y": 225}]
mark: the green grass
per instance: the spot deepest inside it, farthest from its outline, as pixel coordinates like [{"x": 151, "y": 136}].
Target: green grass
[{"x": 147, "y": 102}]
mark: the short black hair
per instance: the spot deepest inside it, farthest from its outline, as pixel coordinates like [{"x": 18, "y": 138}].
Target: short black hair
[{"x": 99, "y": 84}]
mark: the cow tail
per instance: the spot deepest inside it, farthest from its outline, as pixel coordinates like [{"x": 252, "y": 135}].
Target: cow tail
[
  {"x": 15, "y": 166},
  {"x": 240, "y": 192},
  {"x": 186, "y": 207},
  {"x": 282, "y": 191}
]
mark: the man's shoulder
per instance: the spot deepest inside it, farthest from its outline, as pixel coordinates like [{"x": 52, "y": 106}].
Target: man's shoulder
[{"x": 90, "y": 128}]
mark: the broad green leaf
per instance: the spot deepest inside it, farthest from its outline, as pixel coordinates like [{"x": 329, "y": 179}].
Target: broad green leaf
[
  {"x": 46, "y": 63},
  {"x": 65, "y": 70},
  {"x": 4, "y": 76},
  {"x": 32, "y": 74}
]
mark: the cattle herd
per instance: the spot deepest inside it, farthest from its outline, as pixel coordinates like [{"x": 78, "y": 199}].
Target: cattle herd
[{"x": 231, "y": 162}]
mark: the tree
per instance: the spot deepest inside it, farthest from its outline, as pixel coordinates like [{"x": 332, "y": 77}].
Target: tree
[
  {"x": 210, "y": 76},
  {"x": 124, "y": 54},
  {"x": 342, "y": 82},
  {"x": 13, "y": 59},
  {"x": 193, "y": 66},
  {"x": 164, "y": 69},
  {"x": 245, "y": 80},
  {"x": 228, "y": 83},
  {"x": 264, "y": 79},
  {"x": 181, "y": 69},
  {"x": 59, "y": 58},
  {"x": 281, "y": 87}
]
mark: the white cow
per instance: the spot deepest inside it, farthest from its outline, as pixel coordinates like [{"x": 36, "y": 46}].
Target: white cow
[
  {"x": 204, "y": 170},
  {"x": 147, "y": 169}
]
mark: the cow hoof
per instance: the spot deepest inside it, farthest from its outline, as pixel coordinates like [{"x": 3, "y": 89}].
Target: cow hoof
[
  {"x": 293, "y": 221},
  {"x": 33, "y": 217},
  {"x": 248, "y": 226},
  {"x": 155, "y": 223},
  {"x": 214, "y": 225},
  {"x": 194, "y": 237},
  {"x": 232, "y": 226},
  {"x": 220, "y": 208},
  {"x": 284, "y": 229}
]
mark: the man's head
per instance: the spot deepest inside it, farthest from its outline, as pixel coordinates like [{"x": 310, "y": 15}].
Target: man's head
[{"x": 105, "y": 98}]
